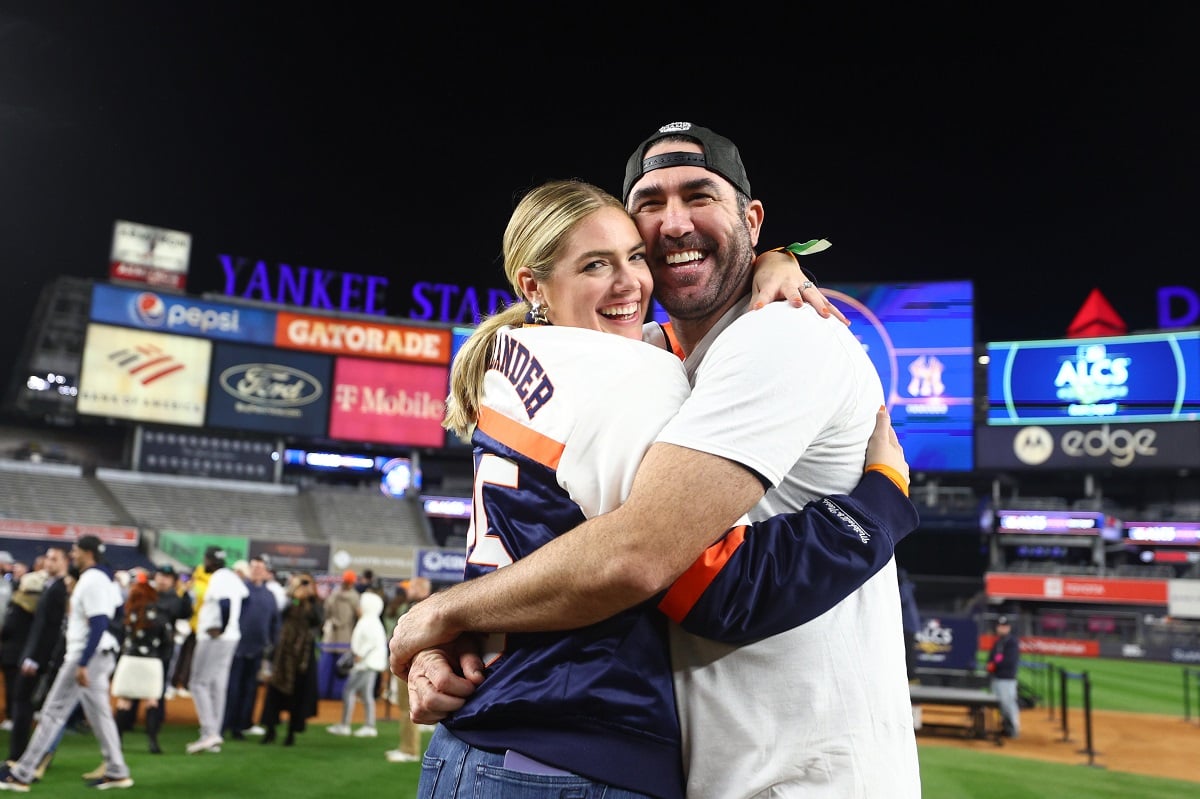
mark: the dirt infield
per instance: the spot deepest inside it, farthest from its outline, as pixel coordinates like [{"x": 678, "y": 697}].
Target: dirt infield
[{"x": 1138, "y": 743}]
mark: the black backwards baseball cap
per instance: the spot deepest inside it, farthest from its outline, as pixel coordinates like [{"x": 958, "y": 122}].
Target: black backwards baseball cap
[
  {"x": 90, "y": 543},
  {"x": 215, "y": 552},
  {"x": 720, "y": 155}
]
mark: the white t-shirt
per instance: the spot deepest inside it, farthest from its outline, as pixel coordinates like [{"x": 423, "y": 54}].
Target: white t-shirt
[
  {"x": 223, "y": 584},
  {"x": 822, "y": 710},
  {"x": 95, "y": 594}
]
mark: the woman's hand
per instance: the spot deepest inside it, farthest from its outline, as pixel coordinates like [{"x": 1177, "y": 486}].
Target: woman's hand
[
  {"x": 884, "y": 448},
  {"x": 777, "y": 276}
]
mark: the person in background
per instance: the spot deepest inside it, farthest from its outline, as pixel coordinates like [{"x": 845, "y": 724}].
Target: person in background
[
  {"x": 408, "y": 593},
  {"x": 274, "y": 586},
  {"x": 14, "y": 633},
  {"x": 218, "y": 628},
  {"x": 44, "y": 636},
  {"x": 176, "y": 604},
  {"x": 341, "y": 614},
  {"x": 292, "y": 687},
  {"x": 368, "y": 644},
  {"x": 366, "y": 581},
  {"x": 149, "y": 633},
  {"x": 1004, "y": 659},
  {"x": 260, "y": 629},
  {"x": 89, "y": 659},
  {"x": 6, "y": 580},
  {"x": 195, "y": 584}
]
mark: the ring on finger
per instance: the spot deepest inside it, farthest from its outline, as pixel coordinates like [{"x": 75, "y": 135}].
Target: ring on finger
[{"x": 808, "y": 284}]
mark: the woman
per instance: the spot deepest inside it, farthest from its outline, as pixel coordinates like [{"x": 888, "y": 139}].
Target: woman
[
  {"x": 293, "y": 683},
  {"x": 149, "y": 633},
  {"x": 368, "y": 646},
  {"x": 561, "y": 415}
]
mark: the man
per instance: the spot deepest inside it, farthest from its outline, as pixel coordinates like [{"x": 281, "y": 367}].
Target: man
[
  {"x": 218, "y": 628},
  {"x": 822, "y": 707},
  {"x": 341, "y": 614},
  {"x": 39, "y": 646},
  {"x": 1003, "y": 661},
  {"x": 260, "y": 630},
  {"x": 91, "y": 654}
]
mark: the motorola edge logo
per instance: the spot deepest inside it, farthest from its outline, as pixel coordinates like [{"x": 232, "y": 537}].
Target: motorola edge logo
[{"x": 1033, "y": 446}]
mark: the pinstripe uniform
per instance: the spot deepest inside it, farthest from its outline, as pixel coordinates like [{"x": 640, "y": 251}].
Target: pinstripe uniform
[{"x": 94, "y": 594}]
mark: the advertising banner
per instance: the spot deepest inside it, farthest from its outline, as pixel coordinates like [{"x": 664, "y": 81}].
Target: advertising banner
[
  {"x": 441, "y": 565},
  {"x": 385, "y": 560},
  {"x": 1121, "y": 379},
  {"x": 388, "y": 403},
  {"x": 1130, "y": 447},
  {"x": 152, "y": 255},
  {"x": 367, "y": 339},
  {"x": 175, "y": 313},
  {"x": 291, "y": 556},
  {"x": 188, "y": 548},
  {"x": 269, "y": 390},
  {"x": 1065, "y": 588},
  {"x": 143, "y": 376},
  {"x": 947, "y": 642},
  {"x": 1183, "y": 599},
  {"x": 67, "y": 533}
]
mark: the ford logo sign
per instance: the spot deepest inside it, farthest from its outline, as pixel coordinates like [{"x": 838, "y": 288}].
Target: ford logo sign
[{"x": 270, "y": 384}]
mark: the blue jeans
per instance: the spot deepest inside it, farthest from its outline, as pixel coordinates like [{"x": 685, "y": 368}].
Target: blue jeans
[{"x": 452, "y": 768}]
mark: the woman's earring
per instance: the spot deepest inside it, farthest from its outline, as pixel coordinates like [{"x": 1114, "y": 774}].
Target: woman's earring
[{"x": 537, "y": 313}]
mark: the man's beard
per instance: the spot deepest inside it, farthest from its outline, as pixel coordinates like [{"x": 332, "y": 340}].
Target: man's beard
[{"x": 728, "y": 280}]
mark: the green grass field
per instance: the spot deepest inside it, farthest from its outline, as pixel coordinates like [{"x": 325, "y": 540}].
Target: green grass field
[
  {"x": 324, "y": 765},
  {"x": 1130, "y": 685}
]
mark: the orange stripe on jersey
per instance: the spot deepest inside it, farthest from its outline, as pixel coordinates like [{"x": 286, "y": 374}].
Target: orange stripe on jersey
[
  {"x": 529, "y": 443},
  {"x": 673, "y": 342},
  {"x": 681, "y": 597}
]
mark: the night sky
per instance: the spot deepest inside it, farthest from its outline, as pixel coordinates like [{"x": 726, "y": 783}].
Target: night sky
[{"x": 1039, "y": 153}]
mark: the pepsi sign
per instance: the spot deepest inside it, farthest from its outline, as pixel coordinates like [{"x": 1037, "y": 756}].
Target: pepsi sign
[{"x": 177, "y": 313}]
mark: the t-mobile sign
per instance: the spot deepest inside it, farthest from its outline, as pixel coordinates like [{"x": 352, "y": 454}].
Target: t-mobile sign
[{"x": 388, "y": 403}]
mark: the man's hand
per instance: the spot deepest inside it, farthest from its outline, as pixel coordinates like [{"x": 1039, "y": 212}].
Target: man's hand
[
  {"x": 29, "y": 667},
  {"x": 435, "y": 689},
  {"x": 422, "y": 627},
  {"x": 81, "y": 676}
]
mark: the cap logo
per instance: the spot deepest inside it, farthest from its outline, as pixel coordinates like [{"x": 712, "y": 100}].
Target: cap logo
[{"x": 675, "y": 127}]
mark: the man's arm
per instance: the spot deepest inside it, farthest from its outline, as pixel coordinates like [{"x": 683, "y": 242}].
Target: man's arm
[{"x": 603, "y": 566}]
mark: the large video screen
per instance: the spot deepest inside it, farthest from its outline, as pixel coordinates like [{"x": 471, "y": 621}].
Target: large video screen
[
  {"x": 1152, "y": 377},
  {"x": 921, "y": 338}
]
